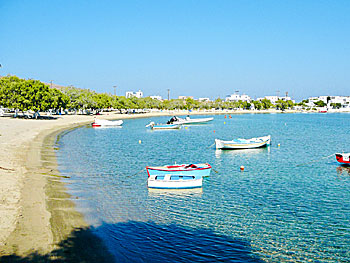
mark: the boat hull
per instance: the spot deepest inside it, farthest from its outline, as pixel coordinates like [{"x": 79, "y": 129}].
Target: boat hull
[
  {"x": 343, "y": 158},
  {"x": 166, "y": 127},
  {"x": 235, "y": 144},
  {"x": 174, "y": 184},
  {"x": 106, "y": 123},
  {"x": 194, "y": 121}
]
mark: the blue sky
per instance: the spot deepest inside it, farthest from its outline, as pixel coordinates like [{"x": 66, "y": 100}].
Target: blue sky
[{"x": 199, "y": 48}]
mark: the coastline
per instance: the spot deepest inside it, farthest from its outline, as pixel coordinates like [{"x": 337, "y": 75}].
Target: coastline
[{"x": 36, "y": 212}]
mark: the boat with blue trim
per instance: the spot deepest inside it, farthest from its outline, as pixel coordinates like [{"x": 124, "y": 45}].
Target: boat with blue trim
[
  {"x": 343, "y": 158},
  {"x": 182, "y": 176},
  {"x": 163, "y": 126}
]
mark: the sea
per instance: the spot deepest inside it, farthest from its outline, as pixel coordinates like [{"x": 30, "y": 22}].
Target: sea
[{"x": 290, "y": 204}]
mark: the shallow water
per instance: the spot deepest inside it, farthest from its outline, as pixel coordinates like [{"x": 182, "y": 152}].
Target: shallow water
[{"x": 292, "y": 202}]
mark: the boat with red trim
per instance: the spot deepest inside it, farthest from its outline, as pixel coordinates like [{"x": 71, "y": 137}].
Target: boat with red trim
[
  {"x": 343, "y": 158},
  {"x": 106, "y": 123},
  {"x": 177, "y": 176}
]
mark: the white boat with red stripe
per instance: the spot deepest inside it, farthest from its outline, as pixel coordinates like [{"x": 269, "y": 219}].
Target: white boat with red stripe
[
  {"x": 106, "y": 123},
  {"x": 176, "y": 176}
]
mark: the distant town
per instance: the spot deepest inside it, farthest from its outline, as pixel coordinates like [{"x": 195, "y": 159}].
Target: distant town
[{"x": 327, "y": 102}]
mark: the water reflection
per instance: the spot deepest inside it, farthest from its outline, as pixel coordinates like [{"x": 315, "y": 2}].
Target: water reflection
[
  {"x": 343, "y": 170},
  {"x": 107, "y": 127},
  {"x": 239, "y": 152},
  {"x": 175, "y": 192}
]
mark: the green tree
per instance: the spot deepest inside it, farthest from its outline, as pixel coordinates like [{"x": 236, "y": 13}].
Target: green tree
[
  {"x": 257, "y": 104},
  {"x": 320, "y": 103},
  {"x": 26, "y": 95},
  {"x": 266, "y": 104}
]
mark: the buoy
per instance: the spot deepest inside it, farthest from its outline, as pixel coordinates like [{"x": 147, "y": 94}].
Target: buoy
[
  {"x": 224, "y": 122},
  {"x": 214, "y": 131},
  {"x": 242, "y": 168},
  {"x": 278, "y": 145},
  {"x": 139, "y": 141},
  {"x": 225, "y": 117},
  {"x": 186, "y": 127}
]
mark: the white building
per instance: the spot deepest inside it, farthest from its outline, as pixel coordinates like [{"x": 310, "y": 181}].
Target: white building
[
  {"x": 156, "y": 97},
  {"x": 343, "y": 100},
  {"x": 237, "y": 97},
  {"x": 185, "y": 97},
  {"x": 274, "y": 99},
  {"x": 137, "y": 94}
]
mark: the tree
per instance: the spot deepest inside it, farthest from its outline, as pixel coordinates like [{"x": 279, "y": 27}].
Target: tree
[
  {"x": 320, "y": 103},
  {"x": 266, "y": 104},
  {"x": 257, "y": 104},
  {"x": 26, "y": 95},
  {"x": 336, "y": 105}
]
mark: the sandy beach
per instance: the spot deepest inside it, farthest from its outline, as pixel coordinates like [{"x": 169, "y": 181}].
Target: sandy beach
[{"x": 37, "y": 216}]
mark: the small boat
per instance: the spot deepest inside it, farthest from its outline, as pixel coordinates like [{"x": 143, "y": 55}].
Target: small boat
[
  {"x": 182, "y": 176},
  {"x": 243, "y": 143},
  {"x": 106, "y": 123},
  {"x": 343, "y": 158},
  {"x": 163, "y": 126},
  {"x": 188, "y": 120}
]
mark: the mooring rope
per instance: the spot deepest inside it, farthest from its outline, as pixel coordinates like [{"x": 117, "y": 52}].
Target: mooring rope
[
  {"x": 211, "y": 145},
  {"x": 215, "y": 170},
  {"x": 312, "y": 161}
]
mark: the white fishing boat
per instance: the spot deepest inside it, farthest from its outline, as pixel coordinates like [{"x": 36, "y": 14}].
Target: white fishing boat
[
  {"x": 188, "y": 120},
  {"x": 243, "y": 143},
  {"x": 106, "y": 123},
  {"x": 155, "y": 126},
  {"x": 181, "y": 176}
]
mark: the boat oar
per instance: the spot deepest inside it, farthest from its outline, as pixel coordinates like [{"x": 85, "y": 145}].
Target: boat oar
[{"x": 312, "y": 161}]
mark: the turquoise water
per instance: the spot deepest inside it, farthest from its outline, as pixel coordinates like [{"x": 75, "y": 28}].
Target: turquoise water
[{"x": 290, "y": 203}]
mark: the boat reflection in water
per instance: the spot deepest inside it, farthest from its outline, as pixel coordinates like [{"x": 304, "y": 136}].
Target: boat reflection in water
[
  {"x": 107, "y": 127},
  {"x": 192, "y": 192},
  {"x": 245, "y": 152},
  {"x": 343, "y": 170}
]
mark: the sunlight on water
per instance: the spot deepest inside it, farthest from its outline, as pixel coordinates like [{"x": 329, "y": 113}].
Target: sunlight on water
[{"x": 289, "y": 204}]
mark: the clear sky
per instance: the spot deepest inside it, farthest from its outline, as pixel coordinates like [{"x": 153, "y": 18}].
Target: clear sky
[{"x": 199, "y": 48}]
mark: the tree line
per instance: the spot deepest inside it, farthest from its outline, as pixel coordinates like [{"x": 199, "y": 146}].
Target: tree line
[{"x": 24, "y": 95}]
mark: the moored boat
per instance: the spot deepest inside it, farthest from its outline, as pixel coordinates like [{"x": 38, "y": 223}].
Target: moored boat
[
  {"x": 181, "y": 176},
  {"x": 188, "y": 120},
  {"x": 106, "y": 123},
  {"x": 343, "y": 158},
  {"x": 243, "y": 143},
  {"x": 163, "y": 126}
]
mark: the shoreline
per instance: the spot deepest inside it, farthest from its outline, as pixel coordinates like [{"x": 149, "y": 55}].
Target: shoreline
[{"x": 37, "y": 213}]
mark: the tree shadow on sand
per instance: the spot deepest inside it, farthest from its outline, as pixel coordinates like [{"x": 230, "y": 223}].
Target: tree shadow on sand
[{"x": 144, "y": 242}]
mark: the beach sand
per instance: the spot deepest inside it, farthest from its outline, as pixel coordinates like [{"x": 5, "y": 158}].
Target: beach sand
[{"x": 38, "y": 220}]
